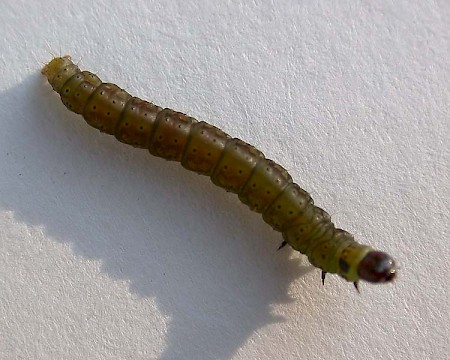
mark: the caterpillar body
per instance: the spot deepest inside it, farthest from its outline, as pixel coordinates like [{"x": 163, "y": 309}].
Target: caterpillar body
[{"x": 265, "y": 186}]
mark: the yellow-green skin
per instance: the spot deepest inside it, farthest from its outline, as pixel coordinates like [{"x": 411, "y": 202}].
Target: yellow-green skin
[{"x": 232, "y": 164}]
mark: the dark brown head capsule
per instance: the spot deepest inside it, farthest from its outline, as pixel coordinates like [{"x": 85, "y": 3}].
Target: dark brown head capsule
[{"x": 377, "y": 267}]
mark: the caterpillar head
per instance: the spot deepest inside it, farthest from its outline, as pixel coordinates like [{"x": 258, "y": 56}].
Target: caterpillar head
[{"x": 377, "y": 267}]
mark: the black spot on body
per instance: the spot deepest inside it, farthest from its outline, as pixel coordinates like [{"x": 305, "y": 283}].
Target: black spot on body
[{"x": 344, "y": 265}]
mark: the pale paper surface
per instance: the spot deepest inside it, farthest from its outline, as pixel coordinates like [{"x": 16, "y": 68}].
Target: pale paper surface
[{"x": 109, "y": 253}]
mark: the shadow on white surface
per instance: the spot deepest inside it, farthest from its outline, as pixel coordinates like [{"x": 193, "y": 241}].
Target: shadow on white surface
[{"x": 210, "y": 264}]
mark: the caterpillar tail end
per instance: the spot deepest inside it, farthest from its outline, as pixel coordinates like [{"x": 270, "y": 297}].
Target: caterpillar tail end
[{"x": 54, "y": 65}]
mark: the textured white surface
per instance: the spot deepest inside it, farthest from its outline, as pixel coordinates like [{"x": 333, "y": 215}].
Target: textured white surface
[{"x": 109, "y": 253}]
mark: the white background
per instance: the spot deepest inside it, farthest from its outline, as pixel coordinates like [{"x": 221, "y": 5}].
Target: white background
[{"x": 109, "y": 253}]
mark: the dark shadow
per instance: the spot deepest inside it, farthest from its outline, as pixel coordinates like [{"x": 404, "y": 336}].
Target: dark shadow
[{"x": 209, "y": 262}]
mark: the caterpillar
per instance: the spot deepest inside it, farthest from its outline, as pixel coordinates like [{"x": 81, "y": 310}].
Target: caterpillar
[{"x": 265, "y": 186}]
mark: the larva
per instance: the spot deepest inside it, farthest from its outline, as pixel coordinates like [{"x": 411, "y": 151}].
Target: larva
[{"x": 232, "y": 164}]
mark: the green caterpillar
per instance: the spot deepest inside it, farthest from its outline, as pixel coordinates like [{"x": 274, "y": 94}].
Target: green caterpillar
[{"x": 232, "y": 164}]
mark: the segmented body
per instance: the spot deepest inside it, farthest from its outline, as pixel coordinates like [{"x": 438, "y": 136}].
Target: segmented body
[{"x": 232, "y": 164}]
